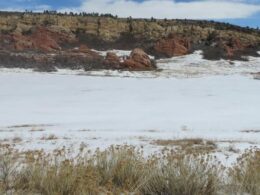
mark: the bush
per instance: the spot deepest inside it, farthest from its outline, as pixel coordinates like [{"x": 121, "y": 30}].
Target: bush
[{"x": 187, "y": 175}]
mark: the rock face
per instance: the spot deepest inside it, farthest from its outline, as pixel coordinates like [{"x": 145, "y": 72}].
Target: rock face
[
  {"x": 232, "y": 46},
  {"x": 40, "y": 38},
  {"x": 232, "y": 49},
  {"x": 138, "y": 60},
  {"x": 172, "y": 46}
]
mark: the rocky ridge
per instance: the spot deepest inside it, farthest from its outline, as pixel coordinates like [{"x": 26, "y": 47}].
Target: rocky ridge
[{"x": 46, "y": 41}]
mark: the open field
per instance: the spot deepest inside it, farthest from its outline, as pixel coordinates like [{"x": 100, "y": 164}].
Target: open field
[
  {"x": 192, "y": 127},
  {"x": 190, "y": 99}
]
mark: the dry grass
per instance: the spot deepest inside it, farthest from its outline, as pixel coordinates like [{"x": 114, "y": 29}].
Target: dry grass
[
  {"x": 34, "y": 129},
  {"x": 251, "y": 131},
  {"x": 188, "y": 146},
  {"x": 21, "y": 126},
  {"x": 152, "y": 131},
  {"x": 8, "y": 170},
  {"x": 231, "y": 148},
  {"x": 188, "y": 175},
  {"x": 49, "y": 137},
  {"x": 245, "y": 175},
  {"x": 5, "y": 130},
  {"x": 30, "y": 125},
  {"x": 124, "y": 170},
  {"x": 182, "y": 142},
  {"x": 17, "y": 139},
  {"x": 84, "y": 130}
]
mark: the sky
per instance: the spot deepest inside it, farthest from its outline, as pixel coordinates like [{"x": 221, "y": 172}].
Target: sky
[{"x": 239, "y": 12}]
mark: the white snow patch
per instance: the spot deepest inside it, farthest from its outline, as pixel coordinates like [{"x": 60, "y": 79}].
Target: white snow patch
[
  {"x": 194, "y": 65},
  {"x": 119, "y": 53},
  {"x": 15, "y": 70}
]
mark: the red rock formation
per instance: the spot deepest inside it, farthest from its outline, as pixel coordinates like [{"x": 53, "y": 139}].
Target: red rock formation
[
  {"x": 40, "y": 38},
  {"x": 83, "y": 49},
  {"x": 21, "y": 42},
  {"x": 42, "y": 47},
  {"x": 112, "y": 60},
  {"x": 138, "y": 60},
  {"x": 232, "y": 46},
  {"x": 172, "y": 46}
]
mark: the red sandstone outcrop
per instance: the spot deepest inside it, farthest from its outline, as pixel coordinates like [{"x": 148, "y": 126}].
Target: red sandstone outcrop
[
  {"x": 112, "y": 60},
  {"x": 40, "y": 38},
  {"x": 232, "y": 46},
  {"x": 172, "y": 46},
  {"x": 138, "y": 60}
]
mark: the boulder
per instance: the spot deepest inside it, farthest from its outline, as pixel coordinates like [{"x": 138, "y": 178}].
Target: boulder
[
  {"x": 171, "y": 46},
  {"x": 83, "y": 49},
  {"x": 138, "y": 60},
  {"x": 112, "y": 60}
]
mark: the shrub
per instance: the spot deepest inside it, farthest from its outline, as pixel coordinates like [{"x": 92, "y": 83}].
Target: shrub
[
  {"x": 245, "y": 175},
  {"x": 186, "y": 175}
]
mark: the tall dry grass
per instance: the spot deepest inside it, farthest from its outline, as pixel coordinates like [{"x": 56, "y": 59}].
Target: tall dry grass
[
  {"x": 245, "y": 174},
  {"x": 125, "y": 170},
  {"x": 186, "y": 175}
]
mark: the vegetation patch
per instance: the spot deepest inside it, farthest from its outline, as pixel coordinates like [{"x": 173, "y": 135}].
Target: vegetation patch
[
  {"x": 34, "y": 129},
  {"x": 17, "y": 139},
  {"x": 245, "y": 174},
  {"x": 251, "y": 131},
  {"x": 125, "y": 170},
  {"x": 49, "y": 137},
  {"x": 188, "y": 146}
]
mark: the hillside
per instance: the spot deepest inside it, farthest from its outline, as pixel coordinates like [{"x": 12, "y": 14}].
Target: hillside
[{"x": 46, "y": 40}]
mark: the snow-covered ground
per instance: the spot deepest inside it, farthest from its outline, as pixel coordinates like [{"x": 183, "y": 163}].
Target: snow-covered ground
[
  {"x": 188, "y": 66},
  {"x": 71, "y": 108}
]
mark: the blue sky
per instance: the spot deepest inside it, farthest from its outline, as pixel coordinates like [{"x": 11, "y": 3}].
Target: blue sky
[{"x": 240, "y": 12}]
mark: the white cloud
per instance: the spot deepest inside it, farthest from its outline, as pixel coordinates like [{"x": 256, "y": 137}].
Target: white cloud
[{"x": 205, "y": 9}]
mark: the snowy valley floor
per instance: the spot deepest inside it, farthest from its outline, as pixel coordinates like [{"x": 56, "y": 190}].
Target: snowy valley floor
[{"x": 189, "y": 99}]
